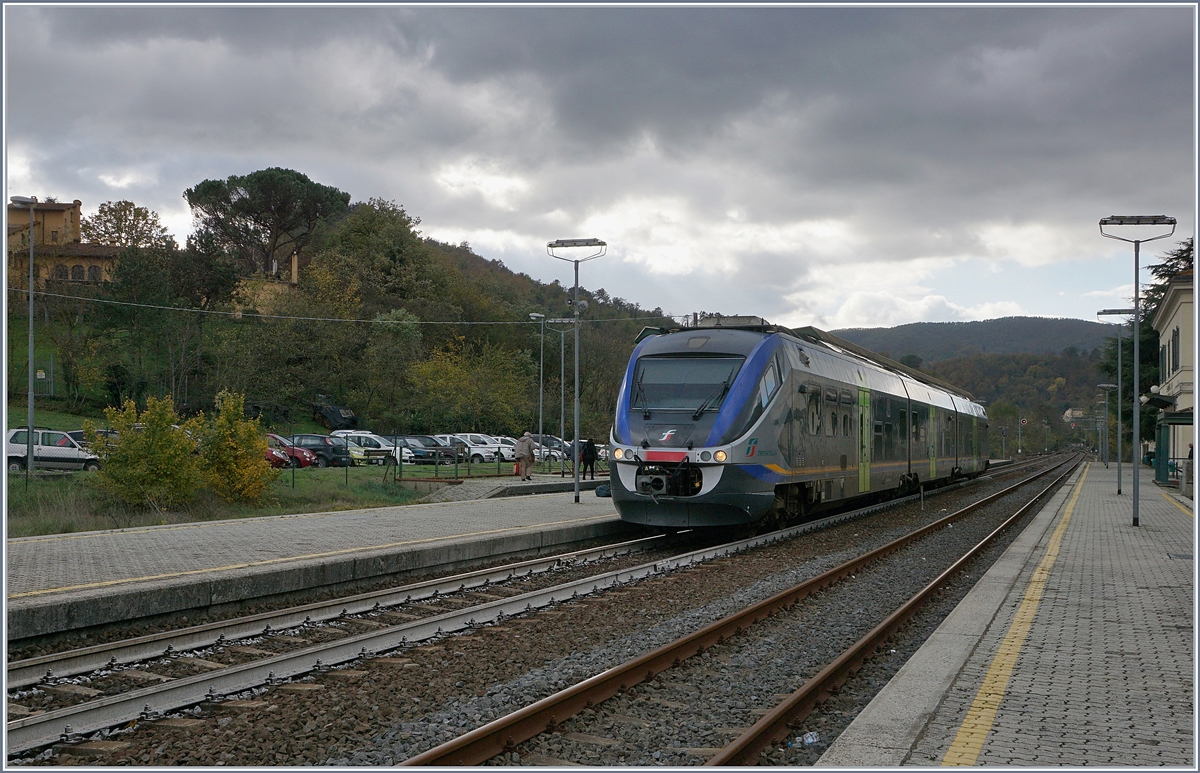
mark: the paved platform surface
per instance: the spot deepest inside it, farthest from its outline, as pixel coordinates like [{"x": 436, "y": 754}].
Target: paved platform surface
[
  {"x": 1075, "y": 649},
  {"x": 64, "y": 581}
]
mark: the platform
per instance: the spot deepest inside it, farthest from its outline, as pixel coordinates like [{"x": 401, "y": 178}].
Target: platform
[
  {"x": 1075, "y": 649},
  {"x": 67, "y": 581}
]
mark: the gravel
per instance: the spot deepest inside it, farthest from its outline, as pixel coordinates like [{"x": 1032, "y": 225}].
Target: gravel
[{"x": 381, "y": 711}]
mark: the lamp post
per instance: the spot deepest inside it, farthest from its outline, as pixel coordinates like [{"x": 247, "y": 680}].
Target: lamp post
[
  {"x": 601, "y": 247},
  {"x": 31, "y": 202},
  {"x": 541, "y": 367},
  {"x": 1120, "y": 432},
  {"x": 562, "y": 381},
  {"x": 1108, "y": 388},
  {"x": 1114, "y": 220}
]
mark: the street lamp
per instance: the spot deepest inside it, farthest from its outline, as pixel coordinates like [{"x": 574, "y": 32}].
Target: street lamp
[
  {"x": 562, "y": 382},
  {"x": 1120, "y": 432},
  {"x": 601, "y": 248},
  {"x": 1108, "y": 388},
  {"x": 1114, "y": 220},
  {"x": 31, "y": 202},
  {"x": 541, "y": 367}
]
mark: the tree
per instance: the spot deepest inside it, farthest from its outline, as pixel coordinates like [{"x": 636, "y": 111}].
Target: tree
[
  {"x": 150, "y": 463},
  {"x": 232, "y": 452},
  {"x": 1173, "y": 262},
  {"x": 124, "y": 224},
  {"x": 265, "y": 215}
]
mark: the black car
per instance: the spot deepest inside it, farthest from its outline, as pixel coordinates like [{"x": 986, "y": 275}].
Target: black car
[
  {"x": 428, "y": 449},
  {"x": 330, "y": 452}
]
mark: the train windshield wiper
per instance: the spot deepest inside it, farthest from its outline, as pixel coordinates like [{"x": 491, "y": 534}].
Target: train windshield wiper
[
  {"x": 712, "y": 399},
  {"x": 641, "y": 395}
]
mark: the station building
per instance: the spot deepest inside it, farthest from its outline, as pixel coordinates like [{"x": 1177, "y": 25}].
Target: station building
[{"x": 1174, "y": 395}]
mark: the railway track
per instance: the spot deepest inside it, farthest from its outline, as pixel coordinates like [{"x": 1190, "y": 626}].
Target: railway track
[
  {"x": 202, "y": 664},
  {"x": 549, "y": 715}
]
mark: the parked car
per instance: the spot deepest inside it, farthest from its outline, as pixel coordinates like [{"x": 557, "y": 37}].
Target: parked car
[
  {"x": 377, "y": 447},
  {"x": 276, "y": 457},
  {"x": 52, "y": 450},
  {"x": 480, "y": 440},
  {"x": 557, "y": 446},
  {"x": 428, "y": 450},
  {"x": 297, "y": 456},
  {"x": 462, "y": 451},
  {"x": 329, "y": 451},
  {"x": 358, "y": 454},
  {"x": 78, "y": 436},
  {"x": 478, "y": 453}
]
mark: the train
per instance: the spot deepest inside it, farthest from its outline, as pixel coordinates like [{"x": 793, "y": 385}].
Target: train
[{"x": 733, "y": 421}]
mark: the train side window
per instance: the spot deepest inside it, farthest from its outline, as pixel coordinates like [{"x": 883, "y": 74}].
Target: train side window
[
  {"x": 814, "y": 413},
  {"x": 889, "y": 449},
  {"x": 845, "y": 425},
  {"x": 831, "y": 430},
  {"x": 878, "y": 450}
]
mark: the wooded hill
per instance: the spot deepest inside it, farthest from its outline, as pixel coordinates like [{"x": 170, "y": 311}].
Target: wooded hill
[{"x": 934, "y": 341}]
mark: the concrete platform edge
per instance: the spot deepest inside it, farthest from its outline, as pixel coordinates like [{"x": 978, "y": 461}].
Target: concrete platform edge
[
  {"x": 884, "y": 733},
  {"x": 69, "y": 611}
]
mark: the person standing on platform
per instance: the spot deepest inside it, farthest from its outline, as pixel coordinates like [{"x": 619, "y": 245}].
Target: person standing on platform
[
  {"x": 524, "y": 453},
  {"x": 587, "y": 458}
]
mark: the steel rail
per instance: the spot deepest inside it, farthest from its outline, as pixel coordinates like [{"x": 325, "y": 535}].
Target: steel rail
[
  {"x": 41, "y": 729},
  {"x": 32, "y": 671},
  {"x": 776, "y": 725},
  {"x": 503, "y": 734}
]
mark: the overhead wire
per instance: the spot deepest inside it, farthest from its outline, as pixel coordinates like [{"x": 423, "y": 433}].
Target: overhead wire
[{"x": 257, "y": 315}]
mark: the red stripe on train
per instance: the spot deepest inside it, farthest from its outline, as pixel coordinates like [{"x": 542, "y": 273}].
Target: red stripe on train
[{"x": 665, "y": 456}]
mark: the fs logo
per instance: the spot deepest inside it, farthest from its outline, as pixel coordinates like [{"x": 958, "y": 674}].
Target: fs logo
[
  {"x": 752, "y": 447},
  {"x": 667, "y": 435}
]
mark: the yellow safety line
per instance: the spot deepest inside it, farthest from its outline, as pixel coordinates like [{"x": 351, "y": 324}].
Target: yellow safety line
[
  {"x": 977, "y": 724},
  {"x": 269, "y": 561},
  {"x": 1175, "y": 502}
]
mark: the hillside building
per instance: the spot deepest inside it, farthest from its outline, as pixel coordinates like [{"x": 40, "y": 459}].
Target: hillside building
[{"x": 59, "y": 254}]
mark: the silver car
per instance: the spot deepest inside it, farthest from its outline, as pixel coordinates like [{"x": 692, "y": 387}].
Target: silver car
[{"x": 52, "y": 450}]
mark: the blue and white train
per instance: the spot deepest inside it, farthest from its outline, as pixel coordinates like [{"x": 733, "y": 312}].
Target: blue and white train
[{"x": 737, "y": 421}]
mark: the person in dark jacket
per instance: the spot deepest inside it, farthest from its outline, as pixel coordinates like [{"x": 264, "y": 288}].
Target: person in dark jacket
[{"x": 588, "y": 460}]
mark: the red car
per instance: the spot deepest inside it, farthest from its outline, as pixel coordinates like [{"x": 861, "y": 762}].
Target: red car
[
  {"x": 296, "y": 456},
  {"x": 276, "y": 457}
]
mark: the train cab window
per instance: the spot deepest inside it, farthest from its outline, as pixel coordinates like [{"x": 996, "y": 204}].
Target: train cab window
[
  {"x": 814, "y": 413},
  {"x": 768, "y": 385}
]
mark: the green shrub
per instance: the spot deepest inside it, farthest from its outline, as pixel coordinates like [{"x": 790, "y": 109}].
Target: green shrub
[
  {"x": 232, "y": 452},
  {"x": 151, "y": 463}
]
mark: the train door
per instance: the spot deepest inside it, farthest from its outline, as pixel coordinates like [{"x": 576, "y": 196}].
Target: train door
[
  {"x": 864, "y": 440},
  {"x": 932, "y": 434}
]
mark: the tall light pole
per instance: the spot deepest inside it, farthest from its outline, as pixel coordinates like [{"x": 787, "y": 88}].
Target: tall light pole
[
  {"x": 1120, "y": 357},
  {"x": 562, "y": 381},
  {"x": 31, "y": 202},
  {"x": 541, "y": 368},
  {"x": 1108, "y": 388},
  {"x": 1114, "y": 220},
  {"x": 601, "y": 248}
]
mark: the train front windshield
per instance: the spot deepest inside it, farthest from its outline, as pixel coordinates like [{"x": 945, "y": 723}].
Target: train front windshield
[{"x": 682, "y": 383}]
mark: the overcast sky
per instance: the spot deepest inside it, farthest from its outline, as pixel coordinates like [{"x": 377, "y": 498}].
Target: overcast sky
[{"x": 841, "y": 167}]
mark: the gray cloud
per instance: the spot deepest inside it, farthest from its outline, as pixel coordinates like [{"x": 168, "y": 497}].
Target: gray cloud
[{"x": 735, "y": 155}]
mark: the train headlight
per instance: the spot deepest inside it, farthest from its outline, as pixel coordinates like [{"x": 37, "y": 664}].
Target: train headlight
[
  {"x": 619, "y": 453},
  {"x": 720, "y": 456},
  {"x": 705, "y": 456}
]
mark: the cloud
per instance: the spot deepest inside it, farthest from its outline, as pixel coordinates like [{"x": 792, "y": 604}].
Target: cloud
[{"x": 809, "y": 163}]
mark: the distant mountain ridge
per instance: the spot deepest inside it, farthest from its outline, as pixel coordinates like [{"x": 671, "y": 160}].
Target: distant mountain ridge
[{"x": 936, "y": 341}]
